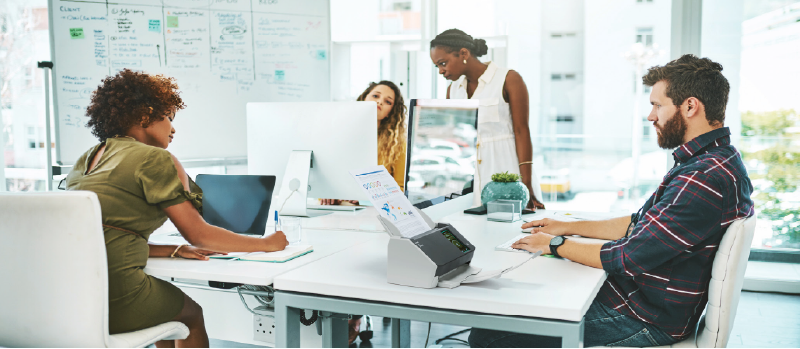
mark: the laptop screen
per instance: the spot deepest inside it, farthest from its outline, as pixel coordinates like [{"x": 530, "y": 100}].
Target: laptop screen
[{"x": 239, "y": 203}]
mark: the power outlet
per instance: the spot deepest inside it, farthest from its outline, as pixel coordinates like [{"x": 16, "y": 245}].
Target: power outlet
[{"x": 264, "y": 325}]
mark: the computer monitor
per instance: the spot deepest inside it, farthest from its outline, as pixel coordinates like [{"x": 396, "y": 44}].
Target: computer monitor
[
  {"x": 441, "y": 157},
  {"x": 239, "y": 203},
  {"x": 342, "y": 136}
]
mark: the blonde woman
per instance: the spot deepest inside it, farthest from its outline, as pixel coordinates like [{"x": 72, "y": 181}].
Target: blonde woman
[{"x": 391, "y": 132}]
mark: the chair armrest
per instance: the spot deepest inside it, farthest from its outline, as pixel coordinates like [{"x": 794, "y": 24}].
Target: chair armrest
[{"x": 143, "y": 338}]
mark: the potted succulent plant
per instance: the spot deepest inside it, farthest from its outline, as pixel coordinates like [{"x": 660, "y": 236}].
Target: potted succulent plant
[{"x": 505, "y": 186}]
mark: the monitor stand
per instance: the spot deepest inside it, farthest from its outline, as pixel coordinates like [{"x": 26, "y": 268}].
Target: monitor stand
[
  {"x": 292, "y": 200},
  {"x": 294, "y": 189}
]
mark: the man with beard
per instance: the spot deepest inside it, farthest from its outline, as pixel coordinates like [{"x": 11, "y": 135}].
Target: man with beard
[{"x": 658, "y": 260}]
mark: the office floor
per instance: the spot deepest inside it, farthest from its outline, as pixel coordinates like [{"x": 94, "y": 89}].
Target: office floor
[{"x": 766, "y": 320}]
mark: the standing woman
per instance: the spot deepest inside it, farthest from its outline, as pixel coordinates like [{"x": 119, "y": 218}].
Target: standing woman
[{"x": 504, "y": 140}]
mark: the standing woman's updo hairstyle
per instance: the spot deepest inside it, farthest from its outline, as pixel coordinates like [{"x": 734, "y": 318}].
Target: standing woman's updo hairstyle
[
  {"x": 131, "y": 98},
  {"x": 453, "y": 40},
  {"x": 392, "y": 129}
]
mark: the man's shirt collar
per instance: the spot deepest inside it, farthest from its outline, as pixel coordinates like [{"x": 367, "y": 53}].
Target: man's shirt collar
[{"x": 719, "y": 137}]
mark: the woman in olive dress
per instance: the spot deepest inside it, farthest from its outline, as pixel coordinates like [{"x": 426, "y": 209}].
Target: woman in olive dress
[{"x": 139, "y": 185}]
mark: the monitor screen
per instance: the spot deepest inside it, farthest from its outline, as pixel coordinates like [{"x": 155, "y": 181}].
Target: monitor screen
[{"x": 441, "y": 156}]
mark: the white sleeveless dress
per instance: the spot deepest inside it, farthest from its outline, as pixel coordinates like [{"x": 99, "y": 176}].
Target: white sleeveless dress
[{"x": 497, "y": 151}]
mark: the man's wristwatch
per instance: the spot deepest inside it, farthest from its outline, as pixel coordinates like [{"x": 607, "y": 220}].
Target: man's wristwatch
[{"x": 555, "y": 242}]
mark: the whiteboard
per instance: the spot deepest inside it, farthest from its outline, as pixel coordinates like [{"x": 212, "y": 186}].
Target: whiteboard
[{"x": 222, "y": 53}]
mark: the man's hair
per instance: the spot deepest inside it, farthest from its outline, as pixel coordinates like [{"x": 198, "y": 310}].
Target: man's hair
[{"x": 690, "y": 76}]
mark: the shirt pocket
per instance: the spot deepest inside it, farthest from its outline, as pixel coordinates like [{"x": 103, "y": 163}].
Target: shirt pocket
[{"x": 488, "y": 110}]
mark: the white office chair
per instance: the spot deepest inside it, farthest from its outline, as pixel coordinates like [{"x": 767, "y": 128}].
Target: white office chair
[
  {"x": 54, "y": 289},
  {"x": 727, "y": 276}
]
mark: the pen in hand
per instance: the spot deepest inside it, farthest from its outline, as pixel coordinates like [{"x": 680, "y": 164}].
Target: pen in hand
[{"x": 276, "y": 221}]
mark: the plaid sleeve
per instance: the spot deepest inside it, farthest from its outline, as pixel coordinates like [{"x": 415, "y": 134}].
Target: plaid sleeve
[{"x": 679, "y": 221}]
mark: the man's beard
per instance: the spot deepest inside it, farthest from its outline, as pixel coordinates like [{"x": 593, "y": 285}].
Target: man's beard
[{"x": 672, "y": 133}]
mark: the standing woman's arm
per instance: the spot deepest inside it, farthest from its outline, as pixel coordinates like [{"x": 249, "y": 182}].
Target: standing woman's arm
[{"x": 516, "y": 94}]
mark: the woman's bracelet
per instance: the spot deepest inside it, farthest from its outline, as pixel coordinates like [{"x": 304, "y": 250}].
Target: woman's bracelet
[
  {"x": 176, "y": 251},
  {"x": 526, "y": 163}
]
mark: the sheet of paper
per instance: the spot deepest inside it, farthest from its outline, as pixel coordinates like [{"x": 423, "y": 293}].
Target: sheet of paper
[
  {"x": 567, "y": 215},
  {"x": 491, "y": 274},
  {"x": 389, "y": 200},
  {"x": 454, "y": 279}
]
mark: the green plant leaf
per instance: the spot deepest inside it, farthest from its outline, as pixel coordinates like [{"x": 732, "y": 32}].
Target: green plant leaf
[{"x": 505, "y": 177}]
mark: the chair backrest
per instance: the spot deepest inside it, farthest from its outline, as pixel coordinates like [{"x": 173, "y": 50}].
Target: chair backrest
[
  {"x": 54, "y": 287},
  {"x": 727, "y": 276}
]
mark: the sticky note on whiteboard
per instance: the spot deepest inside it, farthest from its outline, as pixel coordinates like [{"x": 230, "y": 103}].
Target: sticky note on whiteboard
[
  {"x": 172, "y": 21},
  {"x": 280, "y": 75},
  {"x": 76, "y": 33},
  {"x": 154, "y": 25}
]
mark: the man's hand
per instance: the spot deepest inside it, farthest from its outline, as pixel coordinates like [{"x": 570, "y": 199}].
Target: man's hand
[
  {"x": 549, "y": 226},
  {"x": 534, "y": 243}
]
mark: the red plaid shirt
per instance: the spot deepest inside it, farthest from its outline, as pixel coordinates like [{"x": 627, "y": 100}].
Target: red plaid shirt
[{"x": 660, "y": 272}]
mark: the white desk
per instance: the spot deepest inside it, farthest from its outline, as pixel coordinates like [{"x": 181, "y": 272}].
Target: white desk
[
  {"x": 545, "y": 296},
  {"x": 325, "y": 244}
]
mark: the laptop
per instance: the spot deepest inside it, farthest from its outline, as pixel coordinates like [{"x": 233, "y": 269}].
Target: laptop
[{"x": 239, "y": 203}]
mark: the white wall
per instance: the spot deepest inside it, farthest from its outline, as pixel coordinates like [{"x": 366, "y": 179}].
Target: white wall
[
  {"x": 610, "y": 28},
  {"x": 722, "y": 43},
  {"x": 562, "y": 55},
  {"x": 344, "y": 13}
]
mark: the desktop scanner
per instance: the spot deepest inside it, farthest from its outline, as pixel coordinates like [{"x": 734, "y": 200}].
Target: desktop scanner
[{"x": 440, "y": 257}]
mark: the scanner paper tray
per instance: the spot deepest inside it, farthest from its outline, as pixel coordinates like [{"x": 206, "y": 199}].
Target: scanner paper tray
[{"x": 467, "y": 274}]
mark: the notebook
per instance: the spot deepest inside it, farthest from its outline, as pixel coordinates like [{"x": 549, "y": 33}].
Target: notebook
[{"x": 289, "y": 253}]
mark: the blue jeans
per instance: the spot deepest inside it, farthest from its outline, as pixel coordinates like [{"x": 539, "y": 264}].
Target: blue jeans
[{"x": 603, "y": 326}]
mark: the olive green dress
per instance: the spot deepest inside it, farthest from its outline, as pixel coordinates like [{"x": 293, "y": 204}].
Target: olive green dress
[{"x": 134, "y": 183}]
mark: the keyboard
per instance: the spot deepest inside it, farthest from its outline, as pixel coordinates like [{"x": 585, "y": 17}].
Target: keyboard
[{"x": 506, "y": 246}]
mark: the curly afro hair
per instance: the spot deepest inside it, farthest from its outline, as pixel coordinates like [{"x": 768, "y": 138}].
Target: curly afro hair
[{"x": 131, "y": 98}]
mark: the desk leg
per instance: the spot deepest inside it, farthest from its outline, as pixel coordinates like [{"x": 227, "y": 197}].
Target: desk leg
[
  {"x": 574, "y": 337},
  {"x": 334, "y": 330},
  {"x": 287, "y": 325},
  {"x": 401, "y": 333}
]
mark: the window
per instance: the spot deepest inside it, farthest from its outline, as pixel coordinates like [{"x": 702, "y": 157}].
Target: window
[
  {"x": 563, "y": 35},
  {"x": 24, "y": 40},
  {"x": 565, "y": 118},
  {"x": 644, "y": 36}
]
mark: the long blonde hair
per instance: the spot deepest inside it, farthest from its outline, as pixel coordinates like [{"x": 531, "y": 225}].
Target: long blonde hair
[{"x": 392, "y": 129}]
